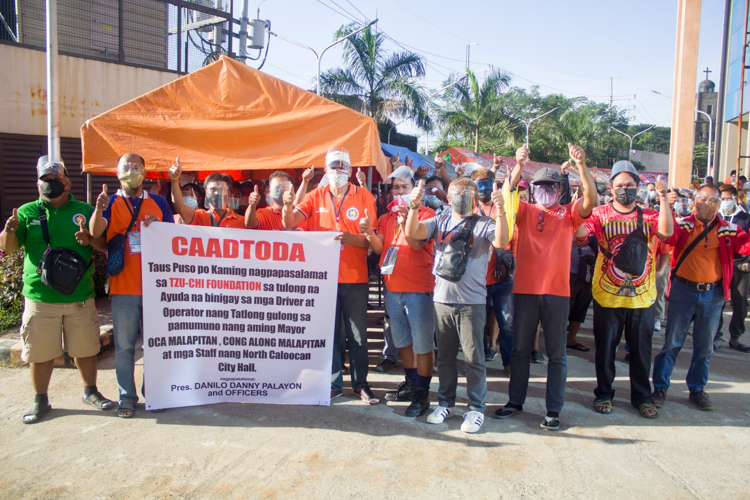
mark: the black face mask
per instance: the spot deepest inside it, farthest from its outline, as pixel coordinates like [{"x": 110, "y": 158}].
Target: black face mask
[
  {"x": 52, "y": 189},
  {"x": 626, "y": 196}
]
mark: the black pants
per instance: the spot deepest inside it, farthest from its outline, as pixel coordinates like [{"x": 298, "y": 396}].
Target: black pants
[
  {"x": 739, "y": 292},
  {"x": 638, "y": 325}
]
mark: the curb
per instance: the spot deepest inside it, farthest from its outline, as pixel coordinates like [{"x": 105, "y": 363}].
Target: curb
[{"x": 10, "y": 350}]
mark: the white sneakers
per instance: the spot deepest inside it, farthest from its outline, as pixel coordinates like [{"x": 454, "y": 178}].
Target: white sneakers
[
  {"x": 657, "y": 326},
  {"x": 439, "y": 415},
  {"x": 473, "y": 420}
]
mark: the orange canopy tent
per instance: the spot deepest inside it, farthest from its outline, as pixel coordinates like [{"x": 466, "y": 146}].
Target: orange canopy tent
[{"x": 229, "y": 117}]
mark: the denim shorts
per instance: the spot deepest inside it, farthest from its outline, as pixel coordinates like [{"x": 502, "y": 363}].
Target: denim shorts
[{"x": 412, "y": 319}]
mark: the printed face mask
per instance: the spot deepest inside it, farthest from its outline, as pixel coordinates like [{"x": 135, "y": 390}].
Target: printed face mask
[
  {"x": 337, "y": 178},
  {"x": 625, "y": 196},
  {"x": 52, "y": 189}
]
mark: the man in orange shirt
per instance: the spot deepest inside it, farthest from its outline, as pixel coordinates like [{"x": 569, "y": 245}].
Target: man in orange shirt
[
  {"x": 130, "y": 207},
  {"x": 406, "y": 265},
  {"x": 269, "y": 218},
  {"x": 700, "y": 283},
  {"x": 541, "y": 289},
  {"x": 218, "y": 189},
  {"x": 338, "y": 207}
]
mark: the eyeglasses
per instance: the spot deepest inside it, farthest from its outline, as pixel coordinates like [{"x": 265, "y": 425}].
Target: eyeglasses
[
  {"x": 540, "y": 222},
  {"x": 130, "y": 167}
]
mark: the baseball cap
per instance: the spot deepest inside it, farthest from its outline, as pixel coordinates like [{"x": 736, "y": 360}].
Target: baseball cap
[
  {"x": 46, "y": 167},
  {"x": 624, "y": 166},
  {"x": 546, "y": 175}
]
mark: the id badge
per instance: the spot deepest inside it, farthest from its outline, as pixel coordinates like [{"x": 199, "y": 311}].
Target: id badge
[
  {"x": 134, "y": 242},
  {"x": 389, "y": 261}
]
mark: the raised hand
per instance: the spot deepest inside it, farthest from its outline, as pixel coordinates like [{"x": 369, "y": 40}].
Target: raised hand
[
  {"x": 577, "y": 154},
  {"x": 522, "y": 155},
  {"x": 102, "y": 201},
  {"x": 365, "y": 223},
  {"x": 254, "y": 197},
  {"x": 289, "y": 197},
  {"x": 83, "y": 236},
  {"x": 439, "y": 162},
  {"x": 12, "y": 223},
  {"x": 460, "y": 169},
  {"x": 415, "y": 198},
  {"x": 661, "y": 186},
  {"x": 395, "y": 160},
  {"x": 361, "y": 177},
  {"x": 565, "y": 167},
  {"x": 409, "y": 163},
  {"x": 175, "y": 170},
  {"x": 497, "y": 199},
  {"x": 308, "y": 174},
  {"x": 496, "y": 162}
]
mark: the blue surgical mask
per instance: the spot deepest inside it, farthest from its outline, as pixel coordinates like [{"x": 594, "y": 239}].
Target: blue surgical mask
[{"x": 432, "y": 200}]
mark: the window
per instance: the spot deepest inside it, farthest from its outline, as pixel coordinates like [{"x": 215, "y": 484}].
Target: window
[{"x": 709, "y": 108}]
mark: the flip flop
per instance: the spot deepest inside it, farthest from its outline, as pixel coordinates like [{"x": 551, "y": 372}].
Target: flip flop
[
  {"x": 96, "y": 400},
  {"x": 126, "y": 406},
  {"x": 603, "y": 406},
  {"x": 740, "y": 347},
  {"x": 36, "y": 413},
  {"x": 578, "y": 347},
  {"x": 645, "y": 407}
]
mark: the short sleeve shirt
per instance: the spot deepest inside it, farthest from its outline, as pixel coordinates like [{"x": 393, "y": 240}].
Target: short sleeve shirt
[
  {"x": 610, "y": 286},
  {"x": 323, "y": 214},
  {"x": 63, "y": 223},
  {"x": 269, "y": 219},
  {"x": 230, "y": 219},
  {"x": 544, "y": 236},
  {"x": 471, "y": 288},
  {"x": 118, "y": 216},
  {"x": 413, "y": 269}
]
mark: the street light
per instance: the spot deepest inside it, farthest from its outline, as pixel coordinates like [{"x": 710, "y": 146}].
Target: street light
[
  {"x": 529, "y": 122},
  {"x": 394, "y": 126},
  {"x": 319, "y": 57},
  {"x": 709, "y": 167},
  {"x": 630, "y": 151},
  {"x": 427, "y": 133}
]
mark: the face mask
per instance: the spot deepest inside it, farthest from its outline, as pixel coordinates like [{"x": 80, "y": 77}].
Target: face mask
[
  {"x": 432, "y": 200},
  {"x": 52, "y": 189},
  {"x": 651, "y": 195},
  {"x": 625, "y": 196},
  {"x": 269, "y": 200},
  {"x": 462, "y": 204},
  {"x": 277, "y": 196},
  {"x": 337, "y": 178},
  {"x": 191, "y": 202},
  {"x": 705, "y": 211},
  {"x": 545, "y": 197},
  {"x": 485, "y": 189},
  {"x": 131, "y": 179},
  {"x": 727, "y": 205}
]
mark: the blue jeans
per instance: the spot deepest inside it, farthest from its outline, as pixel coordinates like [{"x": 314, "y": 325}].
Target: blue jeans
[
  {"x": 500, "y": 300},
  {"x": 685, "y": 301},
  {"x": 127, "y": 319},
  {"x": 351, "y": 332},
  {"x": 412, "y": 318}
]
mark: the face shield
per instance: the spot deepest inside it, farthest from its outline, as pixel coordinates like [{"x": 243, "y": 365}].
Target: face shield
[
  {"x": 217, "y": 196},
  {"x": 235, "y": 200},
  {"x": 462, "y": 199},
  {"x": 338, "y": 166},
  {"x": 277, "y": 190},
  {"x": 131, "y": 174}
]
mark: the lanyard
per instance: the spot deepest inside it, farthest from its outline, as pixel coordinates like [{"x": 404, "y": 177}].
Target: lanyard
[
  {"x": 337, "y": 211},
  {"x": 217, "y": 224},
  {"x": 134, "y": 207},
  {"x": 481, "y": 210},
  {"x": 446, "y": 232}
]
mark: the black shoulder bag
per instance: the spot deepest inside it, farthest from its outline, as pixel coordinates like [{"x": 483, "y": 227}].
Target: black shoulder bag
[
  {"x": 690, "y": 247},
  {"x": 586, "y": 266},
  {"x": 116, "y": 244},
  {"x": 505, "y": 265},
  {"x": 455, "y": 254},
  {"x": 633, "y": 253},
  {"x": 61, "y": 269}
]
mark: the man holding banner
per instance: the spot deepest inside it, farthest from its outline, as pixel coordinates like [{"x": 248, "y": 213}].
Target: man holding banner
[{"x": 338, "y": 207}]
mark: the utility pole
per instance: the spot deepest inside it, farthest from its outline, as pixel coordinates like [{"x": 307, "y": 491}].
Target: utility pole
[
  {"x": 53, "y": 102},
  {"x": 611, "y": 93},
  {"x": 468, "y": 54}
]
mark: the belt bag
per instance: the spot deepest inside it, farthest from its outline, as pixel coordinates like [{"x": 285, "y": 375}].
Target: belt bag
[
  {"x": 61, "y": 269},
  {"x": 455, "y": 254},
  {"x": 505, "y": 265},
  {"x": 116, "y": 245}
]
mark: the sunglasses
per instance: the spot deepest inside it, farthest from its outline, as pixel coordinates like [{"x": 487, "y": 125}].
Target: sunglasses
[{"x": 540, "y": 222}]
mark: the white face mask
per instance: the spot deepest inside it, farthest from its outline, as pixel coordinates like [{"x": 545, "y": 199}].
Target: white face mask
[
  {"x": 337, "y": 178},
  {"x": 190, "y": 202},
  {"x": 727, "y": 205}
]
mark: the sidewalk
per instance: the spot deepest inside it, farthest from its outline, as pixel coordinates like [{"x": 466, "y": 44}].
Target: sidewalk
[{"x": 351, "y": 450}]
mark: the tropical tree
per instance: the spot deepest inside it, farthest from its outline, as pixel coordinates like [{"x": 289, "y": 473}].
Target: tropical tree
[
  {"x": 381, "y": 84},
  {"x": 474, "y": 110}
]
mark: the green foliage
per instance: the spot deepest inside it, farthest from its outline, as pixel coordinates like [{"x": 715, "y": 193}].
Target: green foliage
[
  {"x": 11, "y": 285},
  {"x": 638, "y": 165},
  {"x": 382, "y": 85}
]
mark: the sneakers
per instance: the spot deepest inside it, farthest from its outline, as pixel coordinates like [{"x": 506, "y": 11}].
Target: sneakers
[
  {"x": 537, "y": 357},
  {"x": 366, "y": 395},
  {"x": 385, "y": 365},
  {"x": 439, "y": 415},
  {"x": 420, "y": 402},
  {"x": 659, "y": 397},
  {"x": 473, "y": 421},
  {"x": 657, "y": 326},
  {"x": 405, "y": 392},
  {"x": 490, "y": 355},
  {"x": 336, "y": 394},
  {"x": 700, "y": 399},
  {"x": 550, "y": 423},
  {"x": 507, "y": 411}
]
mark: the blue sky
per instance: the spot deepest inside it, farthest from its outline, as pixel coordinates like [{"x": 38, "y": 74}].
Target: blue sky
[{"x": 573, "y": 46}]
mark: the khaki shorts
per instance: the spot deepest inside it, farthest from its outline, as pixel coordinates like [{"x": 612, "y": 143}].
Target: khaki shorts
[{"x": 48, "y": 330}]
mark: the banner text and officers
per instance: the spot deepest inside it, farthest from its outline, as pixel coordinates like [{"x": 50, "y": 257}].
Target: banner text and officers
[{"x": 233, "y": 315}]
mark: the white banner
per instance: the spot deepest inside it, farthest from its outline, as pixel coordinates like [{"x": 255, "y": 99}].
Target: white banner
[{"x": 237, "y": 315}]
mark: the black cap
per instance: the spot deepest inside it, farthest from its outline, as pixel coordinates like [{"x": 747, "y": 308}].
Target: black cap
[{"x": 546, "y": 175}]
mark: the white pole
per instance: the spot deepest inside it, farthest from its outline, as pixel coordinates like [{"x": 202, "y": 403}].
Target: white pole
[
  {"x": 339, "y": 40},
  {"x": 53, "y": 102},
  {"x": 243, "y": 31}
]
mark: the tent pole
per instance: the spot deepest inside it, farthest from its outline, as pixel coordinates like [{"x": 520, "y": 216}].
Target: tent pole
[{"x": 369, "y": 179}]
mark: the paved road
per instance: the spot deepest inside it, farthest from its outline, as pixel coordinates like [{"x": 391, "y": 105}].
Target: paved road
[{"x": 353, "y": 451}]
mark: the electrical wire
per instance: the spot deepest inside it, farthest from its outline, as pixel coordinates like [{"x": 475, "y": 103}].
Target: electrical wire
[
  {"x": 337, "y": 12},
  {"x": 355, "y": 8}
]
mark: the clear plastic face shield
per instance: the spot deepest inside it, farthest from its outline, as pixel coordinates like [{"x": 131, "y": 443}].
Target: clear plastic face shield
[
  {"x": 276, "y": 190},
  {"x": 235, "y": 199},
  {"x": 338, "y": 166},
  {"x": 131, "y": 174},
  {"x": 217, "y": 196},
  {"x": 462, "y": 199}
]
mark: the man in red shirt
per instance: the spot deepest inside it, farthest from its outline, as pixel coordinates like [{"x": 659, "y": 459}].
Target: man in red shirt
[
  {"x": 406, "y": 265},
  {"x": 218, "y": 189},
  {"x": 338, "y": 207},
  {"x": 268, "y": 218}
]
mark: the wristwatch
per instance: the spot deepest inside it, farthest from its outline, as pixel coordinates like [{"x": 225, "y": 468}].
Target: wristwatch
[
  {"x": 368, "y": 236},
  {"x": 413, "y": 207}
]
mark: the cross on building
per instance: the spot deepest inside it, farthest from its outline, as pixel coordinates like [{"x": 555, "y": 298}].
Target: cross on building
[{"x": 707, "y": 72}]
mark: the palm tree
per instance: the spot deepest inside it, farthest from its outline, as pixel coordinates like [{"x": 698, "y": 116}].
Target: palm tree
[
  {"x": 475, "y": 110},
  {"x": 384, "y": 84}
]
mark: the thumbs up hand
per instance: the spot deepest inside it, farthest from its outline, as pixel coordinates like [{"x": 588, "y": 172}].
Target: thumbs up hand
[
  {"x": 308, "y": 174},
  {"x": 254, "y": 197},
  {"x": 12, "y": 223},
  {"x": 83, "y": 236},
  {"x": 102, "y": 201},
  {"x": 361, "y": 177},
  {"x": 365, "y": 223},
  {"x": 497, "y": 199},
  {"x": 415, "y": 198},
  {"x": 175, "y": 170},
  {"x": 289, "y": 197}
]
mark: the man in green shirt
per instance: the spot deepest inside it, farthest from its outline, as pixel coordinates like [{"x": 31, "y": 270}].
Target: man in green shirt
[{"x": 51, "y": 319}]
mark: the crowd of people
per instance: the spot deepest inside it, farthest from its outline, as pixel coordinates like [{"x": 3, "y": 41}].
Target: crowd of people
[{"x": 485, "y": 264}]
